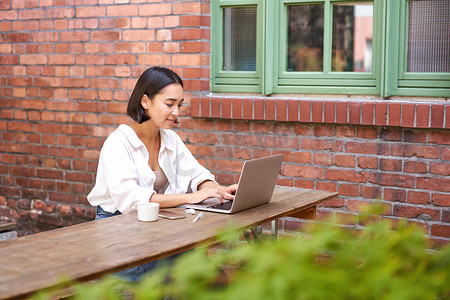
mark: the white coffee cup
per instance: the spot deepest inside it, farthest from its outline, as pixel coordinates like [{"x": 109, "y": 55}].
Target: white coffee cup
[{"x": 148, "y": 211}]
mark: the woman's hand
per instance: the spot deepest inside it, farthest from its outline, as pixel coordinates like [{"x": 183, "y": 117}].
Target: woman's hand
[
  {"x": 228, "y": 192},
  {"x": 224, "y": 192},
  {"x": 202, "y": 195}
]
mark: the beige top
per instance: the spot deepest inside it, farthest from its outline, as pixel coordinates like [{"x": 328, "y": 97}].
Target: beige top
[{"x": 161, "y": 182}]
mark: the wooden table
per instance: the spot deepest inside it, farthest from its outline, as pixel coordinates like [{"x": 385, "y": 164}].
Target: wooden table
[{"x": 94, "y": 249}]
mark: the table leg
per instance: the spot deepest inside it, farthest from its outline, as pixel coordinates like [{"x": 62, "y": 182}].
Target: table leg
[{"x": 275, "y": 229}]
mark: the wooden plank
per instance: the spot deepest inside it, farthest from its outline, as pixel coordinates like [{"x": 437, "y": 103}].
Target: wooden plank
[
  {"x": 309, "y": 214},
  {"x": 7, "y": 226},
  {"x": 93, "y": 249}
]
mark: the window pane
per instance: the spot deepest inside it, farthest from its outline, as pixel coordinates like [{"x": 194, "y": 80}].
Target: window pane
[
  {"x": 305, "y": 37},
  {"x": 428, "y": 36},
  {"x": 352, "y": 37},
  {"x": 239, "y": 42}
]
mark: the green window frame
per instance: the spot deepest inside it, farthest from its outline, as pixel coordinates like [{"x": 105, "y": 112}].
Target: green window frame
[{"x": 387, "y": 77}]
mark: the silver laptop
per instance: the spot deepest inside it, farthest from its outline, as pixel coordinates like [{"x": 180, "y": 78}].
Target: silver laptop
[{"x": 255, "y": 187}]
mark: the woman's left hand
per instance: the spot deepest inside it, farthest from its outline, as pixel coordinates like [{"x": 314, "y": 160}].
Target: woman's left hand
[{"x": 228, "y": 192}]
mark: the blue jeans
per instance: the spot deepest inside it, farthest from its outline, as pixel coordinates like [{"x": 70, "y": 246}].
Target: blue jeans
[{"x": 136, "y": 273}]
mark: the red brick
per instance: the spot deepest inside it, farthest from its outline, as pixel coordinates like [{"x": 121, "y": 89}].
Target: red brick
[
  {"x": 381, "y": 114},
  {"x": 394, "y": 114},
  {"x": 293, "y": 109},
  {"x": 329, "y": 111},
  {"x": 75, "y": 36},
  {"x": 440, "y": 169},
  {"x": 91, "y": 11},
  {"x": 407, "y": 211},
  {"x": 224, "y": 165},
  {"x": 348, "y": 190},
  {"x": 346, "y": 175},
  {"x": 305, "y": 108},
  {"x": 194, "y": 21},
  {"x": 302, "y": 171},
  {"x": 236, "y": 106},
  {"x": 445, "y": 153},
  {"x": 226, "y": 108},
  {"x": 441, "y": 230},
  {"x": 441, "y": 199},
  {"x": 434, "y": 184},
  {"x": 186, "y": 34},
  {"x": 437, "y": 116},
  {"x": 398, "y": 180},
  {"x": 408, "y": 111},
  {"x": 327, "y": 186},
  {"x": 342, "y": 112},
  {"x": 415, "y": 197},
  {"x": 247, "y": 109},
  {"x": 320, "y": 144},
  {"x": 205, "y": 107},
  {"x": 367, "y": 133},
  {"x": 215, "y": 108},
  {"x": 422, "y": 115},
  {"x": 393, "y": 165},
  {"x": 33, "y": 59},
  {"x": 415, "y": 167},
  {"x": 354, "y": 113},
  {"x": 281, "y": 108},
  {"x": 415, "y": 136},
  {"x": 186, "y": 8},
  {"x": 323, "y": 130},
  {"x": 123, "y": 59},
  {"x": 60, "y": 13},
  {"x": 258, "y": 107},
  {"x": 370, "y": 192},
  {"x": 323, "y": 159},
  {"x": 347, "y": 161},
  {"x": 317, "y": 111},
  {"x": 367, "y": 113},
  {"x": 301, "y": 157},
  {"x": 121, "y": 10},
  {"x": 367, "y": 148},
  {"x": 439, "y": 137},
  {"x": 234, "y": 139},
  {"x": 447, "y": 116},
  {"x": 16, "y": 37},
  {"x": 407, "y": 150},
  {"x": 279, "y": 142},
  {"x": 269, "y": 109}
]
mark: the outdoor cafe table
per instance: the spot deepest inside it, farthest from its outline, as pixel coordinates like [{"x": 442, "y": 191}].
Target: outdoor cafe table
[{"x": 97, "y": 248}]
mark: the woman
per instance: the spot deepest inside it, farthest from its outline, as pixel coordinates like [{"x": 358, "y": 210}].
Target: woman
[{"x": 147, "y": 161}]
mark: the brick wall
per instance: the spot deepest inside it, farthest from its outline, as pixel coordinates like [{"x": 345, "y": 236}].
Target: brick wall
[{"x": 67, "y": 68}]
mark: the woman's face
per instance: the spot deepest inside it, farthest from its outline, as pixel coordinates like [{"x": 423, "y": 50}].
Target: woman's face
[{"x": 164, "y": 108}]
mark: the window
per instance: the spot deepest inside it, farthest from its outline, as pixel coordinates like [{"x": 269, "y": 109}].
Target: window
[{"x": 331, "y": 46}]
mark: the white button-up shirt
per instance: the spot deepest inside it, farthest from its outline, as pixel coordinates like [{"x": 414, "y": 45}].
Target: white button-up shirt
[{"x": 124, "y": 177}]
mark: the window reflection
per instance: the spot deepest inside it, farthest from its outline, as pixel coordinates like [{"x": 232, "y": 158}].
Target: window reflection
[
  {"x": 352, "y": 37},
  {"x": 305, "y": 37}
]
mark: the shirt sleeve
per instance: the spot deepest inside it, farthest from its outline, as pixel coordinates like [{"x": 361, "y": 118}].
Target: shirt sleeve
[
  {"x": 189, "y": 166},
  {"x": 121, "y": 176}
]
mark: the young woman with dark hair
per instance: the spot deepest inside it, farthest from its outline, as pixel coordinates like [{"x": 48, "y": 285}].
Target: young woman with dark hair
[{"x": 148, "y": 162}]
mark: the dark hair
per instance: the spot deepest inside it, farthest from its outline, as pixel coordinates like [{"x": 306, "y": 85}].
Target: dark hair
[{"x": 150, "y": 83}]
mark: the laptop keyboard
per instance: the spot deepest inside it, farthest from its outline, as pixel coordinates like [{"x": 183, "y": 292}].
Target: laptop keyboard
[{"x": 223, "y": 206}]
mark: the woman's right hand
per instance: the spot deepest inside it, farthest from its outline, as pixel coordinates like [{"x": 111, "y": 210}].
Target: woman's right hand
[{"x": 203, "y": 194}]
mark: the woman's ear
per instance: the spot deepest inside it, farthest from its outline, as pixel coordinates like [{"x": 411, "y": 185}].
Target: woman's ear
[{"x": 145, "y": 101}]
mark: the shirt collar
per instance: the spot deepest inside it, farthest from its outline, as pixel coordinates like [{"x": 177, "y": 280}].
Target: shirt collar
[
  {"x": 131, "y": 135},
  {"x": 166, "y": 141}
]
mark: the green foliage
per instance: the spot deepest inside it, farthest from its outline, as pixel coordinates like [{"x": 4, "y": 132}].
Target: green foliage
[{"x": 380, "y": 261}]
